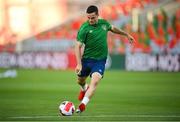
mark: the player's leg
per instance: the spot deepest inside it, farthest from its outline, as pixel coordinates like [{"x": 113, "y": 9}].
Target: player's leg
[
  {"x": 97, "y": 71},
  {"x": 82, "y": 76},
  {"x": 95, "y": 78},
  {"x": 82, "y": 82},
  {"x": 84, "y": 86}
]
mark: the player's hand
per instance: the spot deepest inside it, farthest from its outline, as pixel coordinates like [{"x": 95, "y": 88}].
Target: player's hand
[
  {"x": 78, "y": 69},
  {"x": 131, "y": 39}
]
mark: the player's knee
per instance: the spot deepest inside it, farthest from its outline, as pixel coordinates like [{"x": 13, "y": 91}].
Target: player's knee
[{"x": 96, "y": 77}]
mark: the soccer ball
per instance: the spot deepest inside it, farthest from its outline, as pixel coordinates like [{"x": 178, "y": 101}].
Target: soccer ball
[{"x": 66, "y": 108}]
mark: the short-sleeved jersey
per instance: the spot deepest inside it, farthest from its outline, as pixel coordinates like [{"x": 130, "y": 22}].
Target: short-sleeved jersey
[{"x": 95, "y": 39}]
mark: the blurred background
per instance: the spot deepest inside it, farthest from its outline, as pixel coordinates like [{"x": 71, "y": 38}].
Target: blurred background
[{"x": 42, "y": 33}]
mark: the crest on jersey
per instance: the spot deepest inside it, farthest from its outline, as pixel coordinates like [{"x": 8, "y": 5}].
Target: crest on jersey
[
  {"x": 90, "y": 31},
  {"x": 104, "y": 27}
]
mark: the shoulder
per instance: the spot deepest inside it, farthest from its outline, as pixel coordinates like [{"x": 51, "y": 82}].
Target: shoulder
[
  {"x": 84, "y": 26},
  {"x": 103, "y": 21}
]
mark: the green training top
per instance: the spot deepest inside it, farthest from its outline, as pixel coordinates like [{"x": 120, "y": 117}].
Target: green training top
[{"x": 95, "y": 39}]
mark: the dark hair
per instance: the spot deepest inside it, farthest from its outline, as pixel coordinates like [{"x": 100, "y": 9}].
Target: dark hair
[{"x": 92, "y": 9}]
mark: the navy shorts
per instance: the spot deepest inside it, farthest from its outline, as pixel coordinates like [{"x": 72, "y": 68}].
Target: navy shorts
[{"x": 89, "y": 66}]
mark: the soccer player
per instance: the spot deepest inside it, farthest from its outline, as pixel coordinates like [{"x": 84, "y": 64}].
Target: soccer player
[{"x": 92, "y": 37}]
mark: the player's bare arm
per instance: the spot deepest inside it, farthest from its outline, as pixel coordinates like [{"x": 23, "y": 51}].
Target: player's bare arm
[
  {"x": 121, "y": 32},
  {"x": 78, "y": 46}
]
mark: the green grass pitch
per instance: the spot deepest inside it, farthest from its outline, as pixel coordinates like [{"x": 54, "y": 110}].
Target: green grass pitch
[{"x": 35, "y": 95}]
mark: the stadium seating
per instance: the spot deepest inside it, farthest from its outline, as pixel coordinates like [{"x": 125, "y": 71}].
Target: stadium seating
[{"x": 160, "y": 36}]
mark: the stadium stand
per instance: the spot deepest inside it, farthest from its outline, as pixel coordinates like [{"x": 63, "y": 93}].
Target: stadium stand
[{"x": 159, "y": 36}]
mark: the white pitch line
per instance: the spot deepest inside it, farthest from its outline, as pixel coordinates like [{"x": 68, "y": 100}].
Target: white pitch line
[
  {"x": 31, "y": 117},
  {"x": 101, "y": 116}
]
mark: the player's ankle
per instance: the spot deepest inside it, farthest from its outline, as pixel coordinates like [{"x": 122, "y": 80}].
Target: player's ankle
[
  {"x": 82, "y": 107},
  {"x": 85, "y": 100}
]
